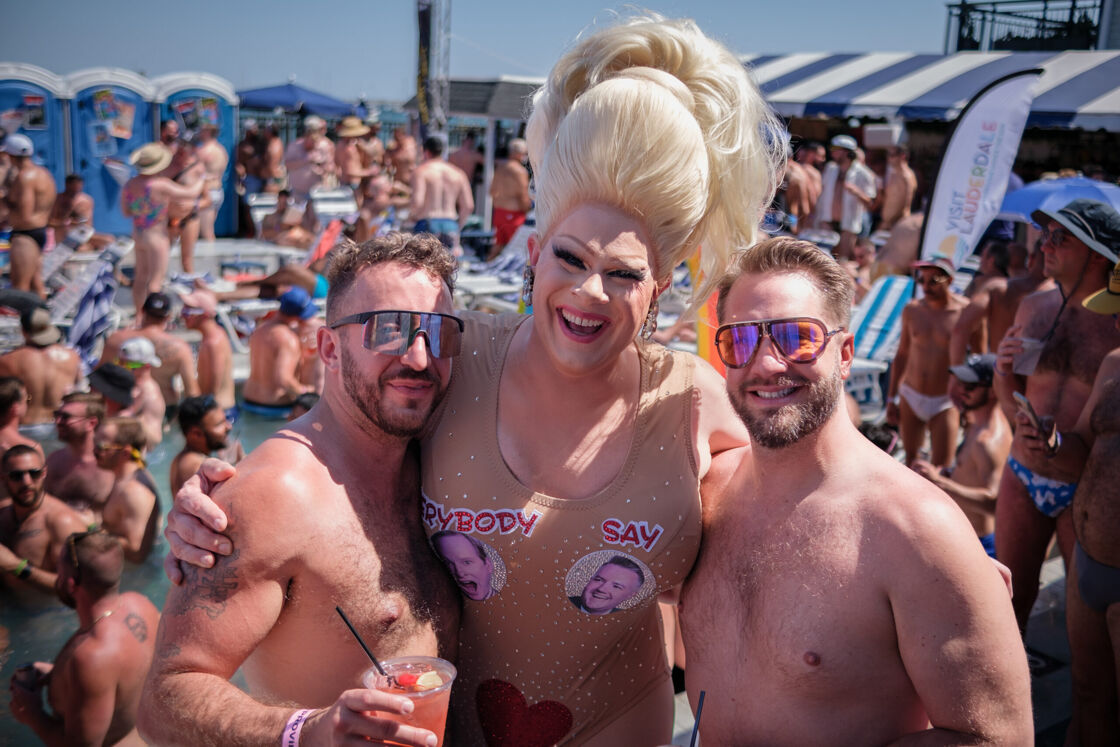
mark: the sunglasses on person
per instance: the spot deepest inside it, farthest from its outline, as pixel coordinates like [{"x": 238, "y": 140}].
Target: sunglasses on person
[
  {"x": 393, "y": 332},
  {"x": 798, "y": 340},
  {"x": 72, "y": 546},
  {"x": 932, "y": 278},
  {"x": 66, "y": 417},
  {"x": 16, "y": 475},
  {"x": 1055, "y": 237}
]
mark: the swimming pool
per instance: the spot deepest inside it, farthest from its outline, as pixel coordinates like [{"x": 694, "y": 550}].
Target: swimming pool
[{"x": 38, "y": 631}]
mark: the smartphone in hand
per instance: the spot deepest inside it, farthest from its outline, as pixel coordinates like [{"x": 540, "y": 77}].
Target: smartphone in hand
[{"x": 1025, "y": 408}]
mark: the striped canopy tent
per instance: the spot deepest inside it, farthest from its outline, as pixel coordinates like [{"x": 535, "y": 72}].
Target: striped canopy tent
[{"x": 1077, "y": 90}]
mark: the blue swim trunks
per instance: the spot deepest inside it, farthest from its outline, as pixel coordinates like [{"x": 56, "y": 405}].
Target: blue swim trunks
[
  {"x": 989, "y": 543},
  {"x": 1051, "y": 497},
  {"x": 445, "y": 229}
]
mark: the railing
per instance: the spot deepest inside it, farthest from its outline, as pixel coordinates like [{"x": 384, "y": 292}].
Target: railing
[{"x": 1020, "y": 25}]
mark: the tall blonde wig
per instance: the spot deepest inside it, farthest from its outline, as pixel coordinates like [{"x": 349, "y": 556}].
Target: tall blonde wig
[{"x": 655, "y": 118}]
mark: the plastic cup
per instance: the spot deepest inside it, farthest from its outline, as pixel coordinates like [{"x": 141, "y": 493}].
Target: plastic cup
[
  {"x": 429, "y": 704},
  {"x": 1027, "y": 361}
]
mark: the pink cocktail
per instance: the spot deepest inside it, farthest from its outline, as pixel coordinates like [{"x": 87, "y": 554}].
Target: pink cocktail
[{"x": 426, "y": 681}]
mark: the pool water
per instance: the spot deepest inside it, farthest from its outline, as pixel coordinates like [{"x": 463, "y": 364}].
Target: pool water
[{"x": 38, "y": 631}]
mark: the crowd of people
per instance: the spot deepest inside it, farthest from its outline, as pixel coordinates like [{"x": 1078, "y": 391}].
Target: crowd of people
[{"x": 811, "y": 587}]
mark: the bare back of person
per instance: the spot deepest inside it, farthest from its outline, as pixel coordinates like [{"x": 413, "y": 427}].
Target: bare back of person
[
  {"x": 274, "y": 356},
  {"x": 510, "y": 187},
  {"x": 78, "y": 482},
  {"x": 133, "y": 514},
  {"x": 215, "y": 366},
  {"x": 358, "y": 546},
  {"x": 120, "y": 646},
  {"x": 176, "y": 360},
  {"x": 985, "y": 447},
  {"x": 898, "y": 193},
  {"x": 148, "y": 405},
  {"x": 47, "y": 373},
  {"x": 788, "y": 615},
  {"x": 349, "y": 161},
  {"x": 441, "y": 189}
]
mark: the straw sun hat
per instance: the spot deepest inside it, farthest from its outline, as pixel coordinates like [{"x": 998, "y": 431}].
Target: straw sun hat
[
  {"x": 352, "y": 127},
  {"x": 151, "y": 158}
]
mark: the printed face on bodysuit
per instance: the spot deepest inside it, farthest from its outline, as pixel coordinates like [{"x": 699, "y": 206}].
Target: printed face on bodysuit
[
  {"x": 468, "y": 563},
  {"x": 609, "y": 587}
]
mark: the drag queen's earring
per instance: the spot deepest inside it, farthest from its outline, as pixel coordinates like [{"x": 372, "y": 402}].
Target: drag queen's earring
[
  {"x": 650, "y": 324},
  {"x": 527, "y": 286}
]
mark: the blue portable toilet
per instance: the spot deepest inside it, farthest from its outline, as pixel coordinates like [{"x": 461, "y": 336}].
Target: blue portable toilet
[
  {"x": 110, "y": 117},
  {"x": 197, "y": 97},
  {"x": 33, "y": 102}
]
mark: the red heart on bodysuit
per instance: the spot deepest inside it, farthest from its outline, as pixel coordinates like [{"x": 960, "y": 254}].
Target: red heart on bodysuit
[{"x": 508, "y": 720}]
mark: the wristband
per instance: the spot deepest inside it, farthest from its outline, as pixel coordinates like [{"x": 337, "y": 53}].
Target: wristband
[
  {"x": 290, "y": 738},
  {"x": 23, "y": 570},
  {"x": 894, "y": 400}
]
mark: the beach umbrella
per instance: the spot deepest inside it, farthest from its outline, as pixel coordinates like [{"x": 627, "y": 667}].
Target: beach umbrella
[
  {"x": 1055, "y": 194},
  {"x": 295, "y": 100}
]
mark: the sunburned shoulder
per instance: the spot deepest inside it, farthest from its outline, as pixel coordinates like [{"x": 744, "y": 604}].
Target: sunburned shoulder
[
  {"x": 281, "y": 475},
  {"x": 897, "y": 501}
]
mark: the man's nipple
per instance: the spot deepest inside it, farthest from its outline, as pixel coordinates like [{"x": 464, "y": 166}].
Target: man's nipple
[{"x": 812, "y": 658}]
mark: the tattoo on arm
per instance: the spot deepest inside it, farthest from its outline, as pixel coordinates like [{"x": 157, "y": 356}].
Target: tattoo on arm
[
  {"x": 137, "y": 626},
  {"x": 207, "y": 589}
]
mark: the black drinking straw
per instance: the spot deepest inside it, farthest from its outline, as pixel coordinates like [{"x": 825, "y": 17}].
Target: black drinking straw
[
  {"x": 373, "y": 658},
  {"x": 695, "y": 724}
]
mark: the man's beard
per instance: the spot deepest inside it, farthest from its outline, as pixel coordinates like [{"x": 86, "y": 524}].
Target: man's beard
[
  {"x": 367, "y": 398},
  {"x": 216, "y": 444},
  {"x": 787, "y": 425}
]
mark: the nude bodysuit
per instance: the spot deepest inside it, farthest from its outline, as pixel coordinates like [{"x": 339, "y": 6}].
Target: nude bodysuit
[{"x": 535, "y": 667}]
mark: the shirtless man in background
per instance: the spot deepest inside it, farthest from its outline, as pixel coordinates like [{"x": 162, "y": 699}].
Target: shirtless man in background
[
  {"x": 810, "y": 156},
  {"x": 13, "y": 404},
  {"x": 838, "y": 597},
  {"x": 215, "y": 353},
  {"x": 441, "y": 197},
  {"x": 138, "y": 355},
  {"x": 29, "y": 192},
  {"x": 467, "y": 157},
  {"x": 1079, "y": 246},
  {"x": 176, "y": 371},
  {"x": 275, "y": 352},
  {"x": 47, "y": 368},
  {"x": 1093, "y": 585},
  {"x": 33, "y": 526},
  {"x": 215, "y": 158},
  {"x": 93, "y": 686},
  {"x": 402, "y": 155},
  {"x": 510, "y": 192},
  {"x": 917, "y": 398},
  {"x": 132, "y": 512},
  {"x": 183, "y": 219},
  {"x": 347, "y": 155},
  {"x": 370, "y": 147},
  {"x": 897, "y": 256},
  {"x": 72, "y": 471},
  {"x": 973, "y": 479},
  {"x": 898, "y": 192},
  {"x": 72, "y": 209},
  {"x": 995, "y": 305},
  {"x": 799, "y": 194}
]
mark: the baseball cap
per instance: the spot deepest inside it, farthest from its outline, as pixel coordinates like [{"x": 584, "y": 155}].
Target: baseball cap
[
  {"x": 1097, "y": 224},
  {"x": 1107, "y": 299},
  {"x": 139, "y": 350},
  {"x": 847, "y": 142},
  {"x": 200, "y": 299},
  {"x": 113, "y": 382},
  {"x": 18, "y": 144},
  {"x": 937, "y": 261},
  {"x": 297, "y": 302},
  {"x": 157, "y": 304},
  {"x": 976, "y": 369},
  {"x": 37, "y": 327}
]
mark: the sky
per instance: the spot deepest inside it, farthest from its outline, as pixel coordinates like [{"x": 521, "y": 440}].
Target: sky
[{"x": 367, "y": 48}]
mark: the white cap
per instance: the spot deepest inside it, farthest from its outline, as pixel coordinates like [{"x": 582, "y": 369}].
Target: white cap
[
  {"x": 314, "y": 122},
  {"x": 139, "y": 350},
  {"x": 17, "y": 144}
]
